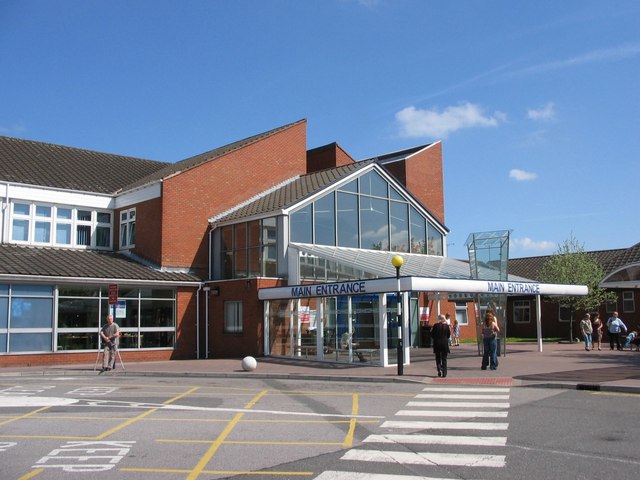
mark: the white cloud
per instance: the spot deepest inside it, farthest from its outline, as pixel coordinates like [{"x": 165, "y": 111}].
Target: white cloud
[
  {"x": 527, "y": 244},
  {"x": 432, "y": 123},
  {"x": 521, "y": 175},
  {"x": 544, "y": 114}
]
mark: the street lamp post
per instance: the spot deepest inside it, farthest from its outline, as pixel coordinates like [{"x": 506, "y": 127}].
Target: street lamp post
[{"x": 397, "y": 262}]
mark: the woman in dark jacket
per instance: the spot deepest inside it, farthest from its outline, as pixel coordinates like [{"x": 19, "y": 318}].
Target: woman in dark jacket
[{"x": 440, "y": 334}]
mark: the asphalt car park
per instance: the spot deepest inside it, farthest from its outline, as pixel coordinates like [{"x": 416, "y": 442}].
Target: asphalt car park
[{"x": 180, "y": 428}]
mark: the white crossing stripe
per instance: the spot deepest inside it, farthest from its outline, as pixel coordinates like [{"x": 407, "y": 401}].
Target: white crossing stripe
[
  {"x": 437, "y": 440},
  {"x": 451, "y": 413},
  {"x": 463, "y": 396},
  {"x": 337, "y": 475},
  {"x": 459, "y": 404},
  {"x": 445, "y": 425},
  {"x": 425, "y": 458}
]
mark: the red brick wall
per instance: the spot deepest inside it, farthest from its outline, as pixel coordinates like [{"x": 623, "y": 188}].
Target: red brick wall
[
  {"x": 424, "y": 179},
  {"x": 329, "y": 156},
  {"x": 191, "y": 198},
  {"x": 148, "y": 229},
  {"x": 251, "y": 340}
]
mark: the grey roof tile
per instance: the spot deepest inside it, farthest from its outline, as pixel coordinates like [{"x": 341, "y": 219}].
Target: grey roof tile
[
  {"x": 48, "y": 165},
  {"x": 91, "y": 264}
]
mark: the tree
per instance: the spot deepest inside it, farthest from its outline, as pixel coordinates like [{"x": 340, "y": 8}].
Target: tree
[{"x": 571, "y": 264}]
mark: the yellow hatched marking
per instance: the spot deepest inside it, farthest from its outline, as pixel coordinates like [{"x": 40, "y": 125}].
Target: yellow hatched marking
[
  {"x": 218, "y": 472},
  {"x": 200, "y": 467},
  {"x": 348, "y": 441},
  {"x": 32, "y": 474},
  {"x": 26, "y": 415},
  {"x": 142, "y": 415}
]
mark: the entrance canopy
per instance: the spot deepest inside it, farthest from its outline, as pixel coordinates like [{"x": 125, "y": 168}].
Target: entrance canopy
[{"x": 420, "y": 284}]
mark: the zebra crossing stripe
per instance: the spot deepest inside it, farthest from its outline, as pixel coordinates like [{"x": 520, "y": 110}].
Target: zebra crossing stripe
[
  {"x": 466, "y": 389},
  {"x": 451, "y": 413},
  {"x": 459, "y": 404},
  {"x": 338, "y": 475},
  {"x": 463, "y": 396},
  {"x": 414, "y": 425},
  {"x": 425, "y": 458},
  {"x": 437, "y": 440}
]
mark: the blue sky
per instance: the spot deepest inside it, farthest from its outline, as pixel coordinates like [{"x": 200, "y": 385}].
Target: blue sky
[{"x": 537, "y": 103}]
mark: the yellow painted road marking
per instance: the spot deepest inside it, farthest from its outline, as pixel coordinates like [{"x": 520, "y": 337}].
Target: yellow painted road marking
[
  {"x": 26, "y": 415},
  {"x": 32, "y": 474},
  {"x": 218, "y": 472},
  {"x": 250, "y": 442},
  {"x": 142, "y": 415},
  {"x": 200, "y": 467},
  {"x": 348, "y": 441}
]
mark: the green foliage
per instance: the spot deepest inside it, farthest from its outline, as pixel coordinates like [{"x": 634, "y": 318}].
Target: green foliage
[{"x": 572, "y": 265}]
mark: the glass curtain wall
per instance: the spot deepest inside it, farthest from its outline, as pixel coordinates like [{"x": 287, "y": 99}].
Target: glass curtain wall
[
  {"x": 249, "y": 249},
  {"x": 366, "y": 213}
]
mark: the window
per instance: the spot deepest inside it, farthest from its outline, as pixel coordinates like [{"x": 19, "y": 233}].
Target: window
[
  {"x": 628, "y": 304},
  {"x": 249, "y": 249},
  {"x": 366, "y": 213},
  {"x": 21, "y": 221},
  {"x": 26, "y": 318},
  {"x": 521, "y": 311},
  {"x": 461, "y": 313},
  {"x": 564, "y": 313},
  {"x": 611, "y": 306},
  {"x": 128, "y": 228},
  {"x": 233, "y": 317},
  {"x": 61, "y": 226}
]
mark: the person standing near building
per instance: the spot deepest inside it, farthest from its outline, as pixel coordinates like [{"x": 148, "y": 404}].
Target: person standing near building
[
  {"x": 456, "y": 333},
  {"x": 596, "y": 336},
  {"x": 490, "y": 332},
  {"x": 587, "y": 330},
  {"x": 447, "y": 318},
  {"x": 615, "y": 327},
  {"x": 440, "y": 335},
  {"x": 110, "y": 332}
]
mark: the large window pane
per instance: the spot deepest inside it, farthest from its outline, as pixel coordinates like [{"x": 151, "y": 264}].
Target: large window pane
[
  {"x": 399, "y": 227},
  {"x": 103, "y": 237},
  {"x": 20, "y": 231},
  {"x": 83, "y": 235},
  {"x": 435, "y": 241},
  {"x": 31, "y": 312},
  {"x": 157, "y": 339},
  {"x": 42, "y": 232},
  {"x": 63, "y": 233},
  {"x": 373, "y": 184},
  {"x": 157, "y": 313},
  {"x": 374, "y": 223},
  {"x": 347, "y": 220},
  {"x": 324, "y": 215},
  {"x": 30, "y": 342},
  {"x": 3, "y": 342},
  {"x": 418, "y": 232},
  {"x": 78, "y": 341},
  {"x": 78, "y": 313},
  {"x": 300, "y": 228},
  {"x": 4, "y": 312}
]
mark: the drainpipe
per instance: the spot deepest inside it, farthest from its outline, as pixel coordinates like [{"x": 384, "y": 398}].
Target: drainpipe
[
  {"x": 5, "y": 205},
  {"x": 206, "y": 319},
  {"x": 198, "y": 322}
]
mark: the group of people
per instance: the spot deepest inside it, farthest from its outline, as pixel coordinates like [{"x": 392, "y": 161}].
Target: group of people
[
  {"x": 441, "y": 340},
  {"x": 592, "y": 328}
]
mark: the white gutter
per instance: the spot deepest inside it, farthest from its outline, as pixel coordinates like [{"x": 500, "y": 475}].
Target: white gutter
[{"x": 119, "y": 281}]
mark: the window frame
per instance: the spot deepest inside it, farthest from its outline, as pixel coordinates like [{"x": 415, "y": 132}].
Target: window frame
[
  {"x": 233, "y": 317},
  {"x": 626, "y": 300},
  {"x": 522, "y": 305},
  {"x": 127, "y": 228}
]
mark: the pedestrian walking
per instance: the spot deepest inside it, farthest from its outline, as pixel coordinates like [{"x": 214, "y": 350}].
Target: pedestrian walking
[
  {"x": 490, "y": 332},
  {"x": 440, "y": 335},
  {"x": 615, "y": 326},
  {"x": 587, "y": 330},
  {"x": 456, "y": 332},
  {"x": 596, "y": 336}
]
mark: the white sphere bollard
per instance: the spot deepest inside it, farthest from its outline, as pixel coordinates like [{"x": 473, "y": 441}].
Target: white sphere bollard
[{"x": 249, "y": 364}]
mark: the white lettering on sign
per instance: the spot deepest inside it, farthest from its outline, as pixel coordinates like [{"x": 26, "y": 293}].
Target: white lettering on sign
[
  {"x": 4, "y": 446},
  {"x": 92, "y": 391},
  {"x": 103, "y": 455},
  {"x": 510, "y": 287},
  {"x": 25, "y": 390},
  {"x": 330, "y": 289}
]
